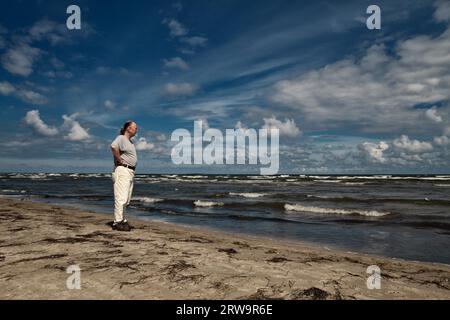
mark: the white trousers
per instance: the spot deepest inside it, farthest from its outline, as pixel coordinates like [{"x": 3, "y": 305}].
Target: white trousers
[{"x": 123, "y": 187}]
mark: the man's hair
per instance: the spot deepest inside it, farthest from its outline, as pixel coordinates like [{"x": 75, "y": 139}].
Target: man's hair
[{"x": 125, "y": 126}]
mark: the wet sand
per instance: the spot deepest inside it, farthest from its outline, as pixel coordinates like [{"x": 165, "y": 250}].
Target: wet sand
[{"x": 165, "y": 261}]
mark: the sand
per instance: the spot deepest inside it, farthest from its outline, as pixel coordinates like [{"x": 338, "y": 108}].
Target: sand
[{"x": 156, "y": 260}]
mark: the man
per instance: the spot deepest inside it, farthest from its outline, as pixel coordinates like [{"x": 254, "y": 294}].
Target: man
[{"x": 125, "y": 160}]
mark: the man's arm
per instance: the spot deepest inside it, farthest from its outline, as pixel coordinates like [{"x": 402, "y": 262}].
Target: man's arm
[{"x": 116, "y": 154}]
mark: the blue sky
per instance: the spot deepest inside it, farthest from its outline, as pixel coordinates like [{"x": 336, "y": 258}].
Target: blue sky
[{"x": 345, "y": 98}]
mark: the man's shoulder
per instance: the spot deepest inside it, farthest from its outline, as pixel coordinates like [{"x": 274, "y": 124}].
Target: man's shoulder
[{"x": 118, "y": 139}]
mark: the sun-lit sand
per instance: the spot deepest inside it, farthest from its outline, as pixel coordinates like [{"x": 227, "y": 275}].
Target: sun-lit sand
[{"x": 164, "y": 261}]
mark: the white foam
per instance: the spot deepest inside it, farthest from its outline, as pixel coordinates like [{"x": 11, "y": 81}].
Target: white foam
[
  {"x": 261, "y": 177},
  {"x": 10, "y": 190},
  {"x": 368, "y": 213},
  {"x": 248, "y": 194},
  {"x": 323, "y": 197},
  {"x": 195, "y": 177},
  {"x": 147, "y": 199},
  {"x": 201, "y": 203},
  {"x": 93, "y": 175},
  {"x": 442, "y": 185},
  {"x": 332, "y": 181}
]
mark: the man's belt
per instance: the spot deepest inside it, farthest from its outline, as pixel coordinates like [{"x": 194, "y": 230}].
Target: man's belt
[{"x": 127, "y": 166}]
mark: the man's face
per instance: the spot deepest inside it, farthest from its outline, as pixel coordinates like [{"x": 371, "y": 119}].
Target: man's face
[{"x": 132, "y": 129}]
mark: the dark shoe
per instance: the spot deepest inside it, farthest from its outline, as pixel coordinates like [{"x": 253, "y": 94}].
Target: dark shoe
[
  {"x": 129, "y": 225},
  {"x": 121, "y": 226}
]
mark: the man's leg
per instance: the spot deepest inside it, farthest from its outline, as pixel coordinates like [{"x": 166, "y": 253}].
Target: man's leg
[
  {"x": 130, "y": 191},
  {"x": 122, "y": 186}
]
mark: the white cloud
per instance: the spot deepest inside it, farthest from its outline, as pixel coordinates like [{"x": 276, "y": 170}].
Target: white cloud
[
  {"x": 181, "y": 89},
  {"x": 61, "y": 74},
  {"x": 31, "y": 96},
  {"x": 175, "y": 27},
  {"x": 376, "y": 92},
  {"x": 26, "y": 95},
  {"x": 161, "y": 137},
  {"x": 443, "y": 140},
  {"x": 414, "y": 146},
  {"x": 176, "y": 62},
  {"x": 143, "y": 145},
  {"x": 33, "y": 119},
  {"x": 56, "y": 32},
  {"x": 109, "y": 104},
  {"x": 287, "y": 128},
  {"x": 50, "y": 30},
  {"x": 240, "y": 125},
  {"x": 432, "y": 115},
  {"x": 375, "y": 151},
  {"x": 442, "y": 13},
  {"x": 6, "y": 88},
  {"x": 20, "y": 58},
  {"x": 195, "y": 41},
  {"x": 76, "y": 131}
]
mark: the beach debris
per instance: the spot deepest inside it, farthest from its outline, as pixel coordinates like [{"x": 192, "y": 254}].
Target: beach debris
[
  {"x": 228, "y": 250},
  {"x": 312, "y": 293},
  {"x": 278, "y": 259}
]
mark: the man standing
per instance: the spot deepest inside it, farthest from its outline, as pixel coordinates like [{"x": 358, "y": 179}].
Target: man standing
[{"x": 125, "y": 160}]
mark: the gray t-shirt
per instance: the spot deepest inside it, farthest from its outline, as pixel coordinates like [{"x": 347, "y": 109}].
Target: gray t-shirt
[{"x": 126, "y": 149}]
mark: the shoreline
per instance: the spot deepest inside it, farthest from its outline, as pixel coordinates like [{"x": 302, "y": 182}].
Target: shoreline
[
  {"x": 280, "y": 240},
  {"x": 162, "y": 260}
]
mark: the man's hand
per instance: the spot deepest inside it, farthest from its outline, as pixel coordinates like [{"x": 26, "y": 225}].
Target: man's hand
[{"x": 116, "y": 154}]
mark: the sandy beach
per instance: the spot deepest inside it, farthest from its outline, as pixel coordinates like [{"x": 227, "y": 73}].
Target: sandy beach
[{"x": 164, "y": 261}]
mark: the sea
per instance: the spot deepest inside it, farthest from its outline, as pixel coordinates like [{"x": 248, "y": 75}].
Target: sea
[{"x": 399, "y": 216}]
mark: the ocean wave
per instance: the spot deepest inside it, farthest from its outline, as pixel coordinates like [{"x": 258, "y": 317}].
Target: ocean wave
[
  {"x": 93, "y": 175},
  {"x": 202, "y": 203},
  {"x": 195, "y": 177},
  {"x": 442, "y": 185},
  {"x": 42, "y": 176},
  {"x": 354, "y": 183},
  {"x": 147, "y": 199},
  {"x": 367, "y": 213},
  {"x": 326, "y": 197},
  {"x": 170, "y": 175},
  {"x": 11, "y": 190},
  {"x": 247, "y": 194}
]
